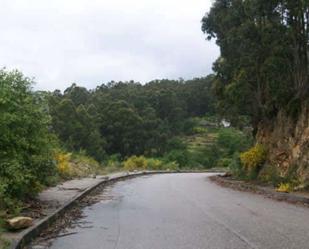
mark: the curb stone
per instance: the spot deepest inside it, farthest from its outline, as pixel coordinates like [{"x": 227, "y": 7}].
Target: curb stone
[{"x": 29, "y": 234}]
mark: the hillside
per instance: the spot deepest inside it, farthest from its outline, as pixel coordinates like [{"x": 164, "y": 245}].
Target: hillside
[{"x": 263, "y": 73}]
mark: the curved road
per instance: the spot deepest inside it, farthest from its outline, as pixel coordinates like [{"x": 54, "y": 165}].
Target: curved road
[{"x": 187, "y": 211}]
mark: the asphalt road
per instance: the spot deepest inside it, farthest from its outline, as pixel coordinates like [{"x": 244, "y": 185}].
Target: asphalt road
[{"x": 186, "y": 211}]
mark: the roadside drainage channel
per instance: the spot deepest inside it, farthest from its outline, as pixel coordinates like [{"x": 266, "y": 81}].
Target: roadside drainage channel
[{"x": 26, "y": 236}]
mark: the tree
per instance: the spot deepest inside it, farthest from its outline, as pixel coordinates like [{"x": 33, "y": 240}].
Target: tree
[
  {"x": 264, "y": 49},
  {"x": 121, "y": 126}
]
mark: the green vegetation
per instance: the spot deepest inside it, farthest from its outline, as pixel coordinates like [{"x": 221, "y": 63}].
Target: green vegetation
[
  {"x": 263, "y": 65},
  {"x": 25, "y": 141},
  {"x": 75, "y": 165},
  {"x": 4, "y": 243},
  {"x": 47, "y": 137},
  {"x": 142, "y": 163},
  {"x": 262, "y": 70},
  {"x": 128, "y": 118}
]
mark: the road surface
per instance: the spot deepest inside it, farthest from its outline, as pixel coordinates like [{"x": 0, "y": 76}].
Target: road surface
[{"x": 186, "y": 211}]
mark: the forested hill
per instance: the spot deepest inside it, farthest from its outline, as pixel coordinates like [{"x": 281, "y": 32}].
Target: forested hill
[
  {"x": 263, "y": 72},
  {"x": 128, "y": 118}
]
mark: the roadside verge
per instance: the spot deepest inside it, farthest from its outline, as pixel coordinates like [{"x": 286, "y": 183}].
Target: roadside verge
[{"x": 293, "y": 198}]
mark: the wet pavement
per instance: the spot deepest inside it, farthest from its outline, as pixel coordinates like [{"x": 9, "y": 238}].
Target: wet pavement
[{"x": 184, "y": 211}]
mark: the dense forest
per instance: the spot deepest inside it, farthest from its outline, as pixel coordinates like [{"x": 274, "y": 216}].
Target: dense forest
[{"x": 128, "y": 118}]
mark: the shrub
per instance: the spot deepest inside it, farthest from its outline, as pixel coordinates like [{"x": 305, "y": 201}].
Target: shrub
[
  {"x": 171, "y": 166},
  {"x": 212, "y": 154},
  {"x": 233, "y": 140},
  {"x": 236, "y": 167},
  {"x": 181, "y": 157},
  {"x": 224, "y": 162},
  {"x": 26, "y": 155},
  {"x": 176, "y": 144},
  {"x": 63, "y": 164},
  {"x": 113, "y": 163},
  {"x": 188, "y": 126},
  {"x": 200, "y": 130},
  {"x": 74, "y": 165},
  {"x": 135, "y": 163},
  {"x": 154, "y": 164},
  {"x": 253, "y": 159}
]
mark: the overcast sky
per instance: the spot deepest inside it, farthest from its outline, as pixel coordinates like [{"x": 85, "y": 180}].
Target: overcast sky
[{"x": 91, "y": 42}]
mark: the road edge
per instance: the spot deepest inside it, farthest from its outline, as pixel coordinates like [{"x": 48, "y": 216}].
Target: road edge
[
  {"x": 31, "y": 233},
  {"x": 263, "y": 191}
]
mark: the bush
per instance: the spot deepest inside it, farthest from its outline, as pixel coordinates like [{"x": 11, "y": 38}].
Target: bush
[
  {"x": 224, "y": 162},
  {"x": 236, "y": 167},
  {"x": 26, "y": 155},
  {"x": 253, "y": 159},
  {"x": 63, "y": 164},
  {"x": 181, "y": 157},
  {"x": 200, "y": 130},
  {"x": 171, "y": 166},
  {"x": 135, "y": 163},
  {"x": 155, "y": 164},
  {"x": 113, "y": 163},
  {"x": 212, "y": 154},
  {"x": 74, "y": 165},
  {"x": 188, "y": 126},
  {"x": 233, "y": 141}
]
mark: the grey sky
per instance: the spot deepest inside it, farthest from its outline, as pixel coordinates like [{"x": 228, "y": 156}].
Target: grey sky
[{"x": 95, "y": 41}]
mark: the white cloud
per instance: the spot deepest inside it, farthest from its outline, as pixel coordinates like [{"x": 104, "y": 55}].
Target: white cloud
[{"x": 90, "y": 42}]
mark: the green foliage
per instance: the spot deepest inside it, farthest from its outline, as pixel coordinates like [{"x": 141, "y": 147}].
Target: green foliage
[
  {"x": 155, "y": 164},
  {"x": 26, "y": 144},
  {"x": 75, "y": 165},
  {"x": 143, "y": 163},
  {"x": 263, "y": 65},
  {"x": 233, "y": 140},
  {"x": 181, "y": 157},
  {"x": 224, "y": 162},
  {"x": 113, "y": 163},
  {"x": 236, "y": 166},
  {"x": 171, "y": 166},
  {"x": 76, "y": 127},
  {"x": 4, "y": 243},
  {"x": 128, "y": 118},
  {"x": 226, "y": 142}
]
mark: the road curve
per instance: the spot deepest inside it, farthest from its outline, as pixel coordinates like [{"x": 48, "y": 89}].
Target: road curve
[{"x": 186, "y": 211}]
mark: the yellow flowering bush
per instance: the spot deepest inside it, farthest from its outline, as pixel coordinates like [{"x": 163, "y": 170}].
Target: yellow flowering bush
[
  {"x": 154, "y": 164},
  {"x": 284, "y": 188},
  {"x": 63, "y": 164},
  {"x": 135, "y": 163},
  {"x": 253, "y": 158}
]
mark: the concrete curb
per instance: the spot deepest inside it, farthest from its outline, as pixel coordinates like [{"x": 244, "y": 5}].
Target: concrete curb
[
  {"x": 264, "y": 191},
  {"x": 29, "y": 234}
]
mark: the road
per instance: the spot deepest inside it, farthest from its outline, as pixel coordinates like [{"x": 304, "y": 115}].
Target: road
[{"x": 186, "y": 211}]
